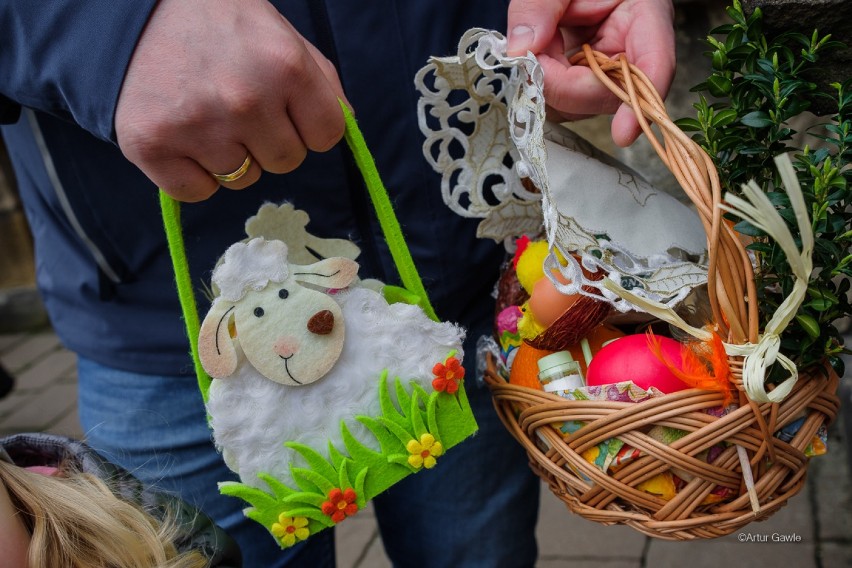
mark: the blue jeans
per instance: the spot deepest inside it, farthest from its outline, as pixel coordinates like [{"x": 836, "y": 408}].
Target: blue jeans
[{"x": 477, "y": 507}]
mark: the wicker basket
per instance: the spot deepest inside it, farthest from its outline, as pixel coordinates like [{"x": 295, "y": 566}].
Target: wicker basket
[{"x": 778, "y": 468}]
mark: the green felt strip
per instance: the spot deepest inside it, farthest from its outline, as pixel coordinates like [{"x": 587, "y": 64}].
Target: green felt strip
[
  {"x": 384, "y": 210},
  {"x": 171, "y": 220}
]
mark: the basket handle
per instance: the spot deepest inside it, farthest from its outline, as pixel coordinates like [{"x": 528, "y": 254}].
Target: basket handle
[
  {"x": 170, "y": 209},
  {"x": 730, "y": 276}
]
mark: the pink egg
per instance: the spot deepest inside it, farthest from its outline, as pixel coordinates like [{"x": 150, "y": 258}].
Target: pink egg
[{"x": 631, "y": 359}]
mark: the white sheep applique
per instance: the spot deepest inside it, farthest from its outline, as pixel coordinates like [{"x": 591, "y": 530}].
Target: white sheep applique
[{"x": 295, "y": 352}]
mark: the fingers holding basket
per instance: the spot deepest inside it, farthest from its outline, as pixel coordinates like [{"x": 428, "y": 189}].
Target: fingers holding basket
[{"x": 556, "y": 29}]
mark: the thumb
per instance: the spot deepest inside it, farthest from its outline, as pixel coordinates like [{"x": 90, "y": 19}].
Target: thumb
[{"x": 532, "y": 24}]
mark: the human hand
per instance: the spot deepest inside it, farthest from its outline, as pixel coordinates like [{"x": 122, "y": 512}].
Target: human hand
[
  {"x": 212, "y": 82},
  {"x": 551, "y": 28}
]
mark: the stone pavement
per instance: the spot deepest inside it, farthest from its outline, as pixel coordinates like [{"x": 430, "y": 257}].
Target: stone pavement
[{"x": 819, "y": 519}]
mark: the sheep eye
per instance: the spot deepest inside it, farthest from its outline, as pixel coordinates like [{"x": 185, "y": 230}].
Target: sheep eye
[
  {"x": 258, "y": 312},
  {"x": 283, "y": 293}
]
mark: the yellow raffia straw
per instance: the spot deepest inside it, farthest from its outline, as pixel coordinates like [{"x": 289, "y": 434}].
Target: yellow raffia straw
[
  {"x": 758, "y": 357},
  {"x": 656, "y": 309},
  {"x": 762, "y": 214}
]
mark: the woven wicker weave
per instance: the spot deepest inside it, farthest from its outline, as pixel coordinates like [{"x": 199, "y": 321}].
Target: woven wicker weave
[{"x": 778, "y": 467}]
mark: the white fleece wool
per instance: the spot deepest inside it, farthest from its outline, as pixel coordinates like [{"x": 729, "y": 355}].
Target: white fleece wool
[
  {"x": 252, "y": 416},
  {"x": 250, "y": 266}
]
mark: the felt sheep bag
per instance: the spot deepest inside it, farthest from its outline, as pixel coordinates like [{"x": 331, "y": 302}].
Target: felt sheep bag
[{"x": 322, "y": 390}]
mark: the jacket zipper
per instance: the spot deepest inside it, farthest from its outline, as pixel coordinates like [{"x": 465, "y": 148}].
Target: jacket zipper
[{"x": 103, "y": 265}]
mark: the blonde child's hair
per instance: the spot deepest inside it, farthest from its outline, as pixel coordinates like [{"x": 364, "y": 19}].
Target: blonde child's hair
[{"x": 76, "y": 521}]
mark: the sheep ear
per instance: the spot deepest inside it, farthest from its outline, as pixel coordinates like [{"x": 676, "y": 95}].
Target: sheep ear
[
  {"x": 216, "y": 348},
  {"x": 334, "y": 272}
]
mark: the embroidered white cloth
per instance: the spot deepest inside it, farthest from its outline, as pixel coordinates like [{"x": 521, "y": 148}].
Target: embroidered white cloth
[{"x": 483, "y": 115}]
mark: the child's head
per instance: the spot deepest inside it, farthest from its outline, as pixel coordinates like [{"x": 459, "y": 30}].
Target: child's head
[
  {"x": 75, "y": 519},
  {"x": 14, "y": 538}
]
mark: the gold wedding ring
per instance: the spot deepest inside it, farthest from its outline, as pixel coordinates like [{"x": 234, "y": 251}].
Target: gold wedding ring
[{"x": 236, "y": 174}]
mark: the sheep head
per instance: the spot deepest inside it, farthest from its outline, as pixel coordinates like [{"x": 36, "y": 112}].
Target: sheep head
[{"x": 273, "y": 314}]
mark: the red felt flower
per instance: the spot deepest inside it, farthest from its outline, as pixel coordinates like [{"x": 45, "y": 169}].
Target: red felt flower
[
  {"x": 447, "y": 375},
  {"x": 340, "y": 504}
]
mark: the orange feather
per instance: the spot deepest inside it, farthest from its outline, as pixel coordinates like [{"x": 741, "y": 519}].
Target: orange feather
[{"x": 704, "y": 364}]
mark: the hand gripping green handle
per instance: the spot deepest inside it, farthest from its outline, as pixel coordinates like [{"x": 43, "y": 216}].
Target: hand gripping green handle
[{"x": 384, "y": 211}]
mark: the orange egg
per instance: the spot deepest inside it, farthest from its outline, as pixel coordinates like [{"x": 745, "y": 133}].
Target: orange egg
[
  {"x": 547, "y": 303},
  {"x": 524, "y": 371}
]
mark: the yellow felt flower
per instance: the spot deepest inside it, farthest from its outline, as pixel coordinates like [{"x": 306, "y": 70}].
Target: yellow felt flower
[
  {"x": 290, "y": 530},
  {"x": 424, "y": 452}
]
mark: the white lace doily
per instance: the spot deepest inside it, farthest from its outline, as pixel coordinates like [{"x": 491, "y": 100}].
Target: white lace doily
[{"x": 483, "y": 115}]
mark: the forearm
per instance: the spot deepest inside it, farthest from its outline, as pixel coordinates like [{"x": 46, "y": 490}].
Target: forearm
[{"x": 68, "y": 57}]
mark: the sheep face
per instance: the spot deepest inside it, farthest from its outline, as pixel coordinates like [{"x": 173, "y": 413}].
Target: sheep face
[
  {"x": 290, "y": 333},
  {"x": 298, "y": 344}
]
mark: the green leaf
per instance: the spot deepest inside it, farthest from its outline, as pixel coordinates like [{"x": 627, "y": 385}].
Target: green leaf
[
  {"x": 344, "y": 482},
  {"x": 778, "y": 198},
  {"x": 334, "y": 454},
  {"x": 724, "y": 118},
  {"x": 401, "y": 459},
  {"x": 820, "y": 304},
  {"x": 417, "y": 418},
  {"x": 360, "y": 452},
  {"x": 306, "y": 485},
  {"x": 311, "y": 513},
  {"x": 307, "y": 475},
  {"x": 403, "y": 399},
  {"x": 360, "y": 483},
  {"x": 252, "y": 495},
  {"x": 401, "y": 433},
  {"x": 719, "y": 86},
  {"x": 432, "y": 413},
  {"x": 389, "y": 410},
  {"x": 757, "y": 119},
  {"x": 302, "y": 498},
  {"x": 746, "y": 228},
  {"x": 761, "y": 247},
  {"x": 417, "y": 388},
  {"x": 688, "y": 124},
  {"x": 278, "y": 488},
  {"x": 724, "y": 29},
  {"x": 315, "y": 460},
  {"x": 809, "y": 324},
  {"x": 736, "y": 15},
  {"x": 823, "y": 294},
  {"x": 719, "y": 60}
]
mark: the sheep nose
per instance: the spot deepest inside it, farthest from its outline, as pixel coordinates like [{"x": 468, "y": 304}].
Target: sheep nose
[
  {"x": 321, "y": 323},
  {"x": 286, "y": 346}
]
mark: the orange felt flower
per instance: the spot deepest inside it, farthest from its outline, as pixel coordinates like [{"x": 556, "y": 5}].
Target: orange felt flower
[
  {"x": 340, "y": 504},
  {"x": 447, "y": 375}
]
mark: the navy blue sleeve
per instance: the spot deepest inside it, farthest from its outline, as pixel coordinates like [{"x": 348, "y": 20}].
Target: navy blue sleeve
[{"x": 68, "y": 57}]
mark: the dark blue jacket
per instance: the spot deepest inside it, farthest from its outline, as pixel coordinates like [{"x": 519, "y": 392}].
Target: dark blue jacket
[{"x": 102, "y": 262}]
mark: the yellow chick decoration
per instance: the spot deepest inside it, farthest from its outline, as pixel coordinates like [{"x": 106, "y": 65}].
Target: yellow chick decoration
[
  {"x": 529, "y": 262},
  {"x": 546, "y": 303}
]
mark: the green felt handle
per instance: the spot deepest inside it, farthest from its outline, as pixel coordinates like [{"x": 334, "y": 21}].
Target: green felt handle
[
  {"x": 384, "y": 211},
  {"x": 170, "y": 209}
]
